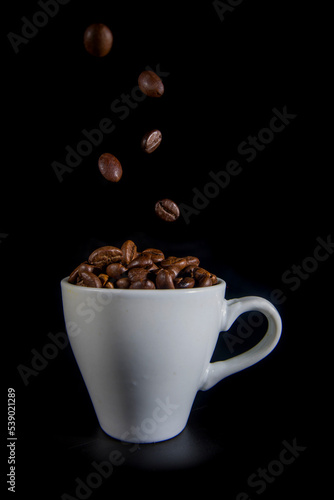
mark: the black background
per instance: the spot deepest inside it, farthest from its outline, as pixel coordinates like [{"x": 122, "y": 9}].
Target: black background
[{"x": 224, "y": 79}]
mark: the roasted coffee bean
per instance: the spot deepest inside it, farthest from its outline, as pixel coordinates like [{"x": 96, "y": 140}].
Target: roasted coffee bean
[
  {"x": 164, "y": 279},
  {"x": 156, "y": 255},
  {"x": 103, "y": 278},
  {"x": 138, "y": 274},
  {"x": 141, "y": 261},
  {"x": 129, "y": 250},
  {"x": 91, "y": 280},
  {"x": 174, "y": 271},
  {"x": 105, "y": 255},
  {"x": 179, "y": 262},
  {"x": 123, "y": 283},
  {"x": 174, "y": 265},
  {"x": 184, "y": 282},
  {"x": 205, "y": 281},
  {"x": 73, "y": 278},
  {"x": 151, "y": 141},
  {"x": 213, "y": 278},
  {"x": 150, "y": 84},
  {"x": 98, "y": 40},
  {"x": 200, "y": 273},
  {"x": 76, "y": 274},
  {"x": 144, "y": 284},
  {"x": 85, "y": 267},
  {"x": 169, "y": 261},
  {"x": 115, "y": 270},
  {"x": 109, "y": 284},
  {"x": 167, "y": 210},
  {"x": 192, "y": 261},
  {"x": 110, "y": 167},
  {"x": 188, "y": 271},
  {"x": 153, "y": 268}
]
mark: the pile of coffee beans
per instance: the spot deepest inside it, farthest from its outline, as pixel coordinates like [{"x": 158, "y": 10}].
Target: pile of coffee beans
[{"x": 125, "y": 267}]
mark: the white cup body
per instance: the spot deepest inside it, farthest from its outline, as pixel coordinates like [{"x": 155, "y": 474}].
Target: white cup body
[{"x": 143, "y": 353}]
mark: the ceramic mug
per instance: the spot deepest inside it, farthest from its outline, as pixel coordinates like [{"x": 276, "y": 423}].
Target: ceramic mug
[{"x": 144, "y": 354}]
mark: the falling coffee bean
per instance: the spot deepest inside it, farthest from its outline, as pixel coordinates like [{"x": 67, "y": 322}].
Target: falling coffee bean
[
  {"x": 151, "y": 141},
  {"x": 98, "y": 40},
  {"x": 150, "y": 84},
  {"x": 110, "y": 167},
  {"x": 167, "y": 210}
]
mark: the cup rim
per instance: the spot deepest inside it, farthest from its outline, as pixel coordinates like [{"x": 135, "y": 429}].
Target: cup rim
[{"x": 219, "y": 284}]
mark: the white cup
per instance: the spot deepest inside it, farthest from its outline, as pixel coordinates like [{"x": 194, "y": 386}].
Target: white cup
[{"x": 144, "y": 354}]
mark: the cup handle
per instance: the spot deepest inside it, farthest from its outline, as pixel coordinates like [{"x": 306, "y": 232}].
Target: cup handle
[{"x": 233, "y": 308}]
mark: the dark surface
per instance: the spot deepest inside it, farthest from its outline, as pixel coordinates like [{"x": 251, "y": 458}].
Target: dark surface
[{"x": 223, "y": 82}]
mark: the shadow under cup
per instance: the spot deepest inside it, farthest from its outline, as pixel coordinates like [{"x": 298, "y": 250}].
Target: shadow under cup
[{"x": 144, "y": 354}]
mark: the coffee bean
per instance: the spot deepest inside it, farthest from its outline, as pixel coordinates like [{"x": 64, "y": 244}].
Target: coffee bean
[
  {"x": 156, "y": 255},
  {"x": 150, "y": 84},
  {"x": 141, "y": 261},
  {"x": 109, "y": 284},
  {"x": 164, "y": 279},
  {"x": 105, "y": 255},
  {"x": 200, "y": 273},
  {"x": 192, "y": 261},
  {"x": 91, "y": 280},
  {"x": 110, "y": 167},
  {"x": 115, "y": 270},
  {"x": 174, "y": 261},
  {"x": 138, "y": 274},
  {"x": 184, "y": 282},
  {"x": 98, "y": 40},
  {"x": 85, "y": 267},
  {"x": 167, "y": 210},
  {"x": 74, "y": 275},
  {"x": 174, "y": 265},
  {"x": 103, "y": 278},
  {"x": 205, "y": 281},
  {"x": 152, "y": 268},
  {"x": 123, "y": 283},
  {"x": 213, "y": 278},
  {"x": 144, "y": 284},
  {"x": 129, "y": 251},
  {"x": 188, "y": 271},
  {"x": 151, "y": 141}
]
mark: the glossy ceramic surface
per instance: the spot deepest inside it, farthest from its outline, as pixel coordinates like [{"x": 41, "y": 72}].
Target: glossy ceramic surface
[{"x": 144, "y": 354}]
